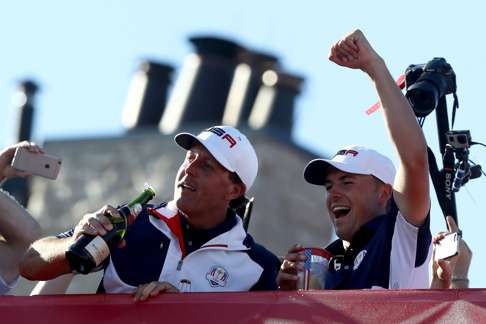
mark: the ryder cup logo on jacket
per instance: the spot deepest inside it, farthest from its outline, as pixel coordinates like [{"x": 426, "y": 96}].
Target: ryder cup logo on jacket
[
  {"x": 217, "y": 276},
  {"x": 359, "y": 258}
]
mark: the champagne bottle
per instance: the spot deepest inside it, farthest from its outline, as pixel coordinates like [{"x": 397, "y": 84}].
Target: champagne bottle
[{"x": 89, "y": 251}]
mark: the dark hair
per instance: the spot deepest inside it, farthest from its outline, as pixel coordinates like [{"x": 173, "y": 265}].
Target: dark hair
[
  {"x": 240, "y": 201},
  {"x": 235, "y": 178}
]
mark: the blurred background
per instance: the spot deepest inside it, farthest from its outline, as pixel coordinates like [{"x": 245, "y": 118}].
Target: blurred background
[{"x": 93, "y": 62}]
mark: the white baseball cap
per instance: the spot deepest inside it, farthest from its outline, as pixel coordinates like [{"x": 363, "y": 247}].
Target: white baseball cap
[
  {"x": 229, "y": 147},
  {"x": 352, "y": 159}
]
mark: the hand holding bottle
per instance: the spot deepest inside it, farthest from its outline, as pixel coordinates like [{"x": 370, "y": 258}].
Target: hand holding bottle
[
  {"x": 97, "y": 234},
  {"x": 97, "y": 223}
]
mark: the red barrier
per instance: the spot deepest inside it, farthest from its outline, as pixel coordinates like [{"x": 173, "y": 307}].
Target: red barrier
[{"x": 447, "y": 306}]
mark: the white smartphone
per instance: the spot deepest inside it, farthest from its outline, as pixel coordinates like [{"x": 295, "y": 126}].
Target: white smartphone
[
  {"x": 447, "y": 247},
  {"x": 40, "y": 164}
]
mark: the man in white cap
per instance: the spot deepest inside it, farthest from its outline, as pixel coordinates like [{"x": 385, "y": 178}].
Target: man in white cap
[
  {"x": 195, "y": 242},
  {"x": 381, "y": 219}
]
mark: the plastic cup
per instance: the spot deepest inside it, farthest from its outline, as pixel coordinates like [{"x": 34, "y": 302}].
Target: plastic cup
[{"x": 315, "y": 268}]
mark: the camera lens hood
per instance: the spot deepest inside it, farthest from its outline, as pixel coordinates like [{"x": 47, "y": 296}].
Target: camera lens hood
[{"x": 423, "y": 97}]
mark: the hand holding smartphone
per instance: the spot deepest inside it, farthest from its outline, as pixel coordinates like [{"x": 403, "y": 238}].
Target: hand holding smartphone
[
  {"x": 447, "y": 247},
  {"x": 39, "y": 164}
]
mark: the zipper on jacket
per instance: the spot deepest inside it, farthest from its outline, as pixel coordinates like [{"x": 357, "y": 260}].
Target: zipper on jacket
[{"x": 179, "y": 265}]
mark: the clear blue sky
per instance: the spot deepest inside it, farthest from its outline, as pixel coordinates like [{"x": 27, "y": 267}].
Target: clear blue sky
[{"x": 84, "y": 54}]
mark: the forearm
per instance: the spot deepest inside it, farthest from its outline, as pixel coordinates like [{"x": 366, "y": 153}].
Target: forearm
[
  {"x": 46, "y": 259},
  {"x": 17, "y": 226},
  {"x": 18, "y": 229},
  {"x": 404, "y": 131},
  {"x": 411, "y": 186}
]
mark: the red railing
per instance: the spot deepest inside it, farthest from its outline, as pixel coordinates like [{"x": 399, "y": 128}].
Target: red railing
[{"x": 415, "y": 306}]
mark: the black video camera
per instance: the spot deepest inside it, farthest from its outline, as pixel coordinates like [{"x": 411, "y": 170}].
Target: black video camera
[
  {"x": 427, "y": 83},
  {"x": 459, "y": 139},
  {"x": 459, "y": 142}
]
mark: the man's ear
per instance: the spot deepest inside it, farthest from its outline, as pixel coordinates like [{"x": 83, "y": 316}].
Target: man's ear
[
  {"x": 236, "y": 190},
  {"x": 386, "y": 192}
]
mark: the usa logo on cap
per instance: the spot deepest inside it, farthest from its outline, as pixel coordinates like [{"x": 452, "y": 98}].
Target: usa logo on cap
[{"x": 221, "y": 133}]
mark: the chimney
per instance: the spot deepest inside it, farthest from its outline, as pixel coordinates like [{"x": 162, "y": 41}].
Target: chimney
[
  {"x": 275, "y": 103},
  {"x": 246, "y": 83},
  {"x": 24, "y": 102},
  {"x": 201, "y": 90},
  {"x": 147, "y": 96}
]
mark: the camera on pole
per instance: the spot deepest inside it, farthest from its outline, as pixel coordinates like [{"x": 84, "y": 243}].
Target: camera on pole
[
  {"x": 427, "y": 83},
  {"x": 426, "y": 88}
]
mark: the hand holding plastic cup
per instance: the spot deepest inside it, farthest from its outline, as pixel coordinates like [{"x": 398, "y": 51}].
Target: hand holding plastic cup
[{"x": 315, "y": 268}]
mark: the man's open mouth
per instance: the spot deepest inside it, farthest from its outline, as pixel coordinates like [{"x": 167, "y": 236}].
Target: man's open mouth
[{"x": 340, "y": 211}]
